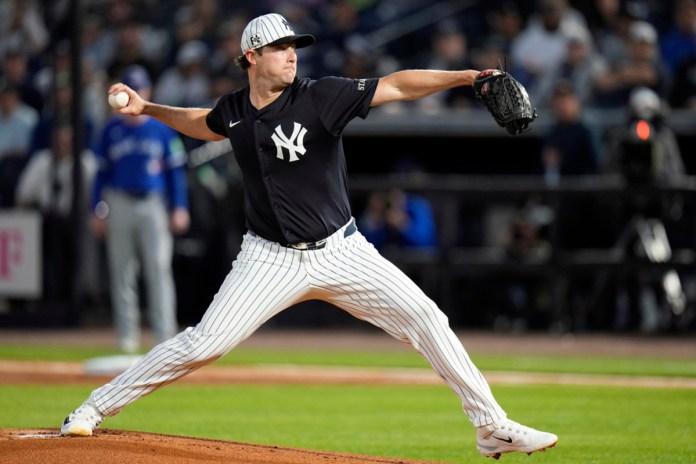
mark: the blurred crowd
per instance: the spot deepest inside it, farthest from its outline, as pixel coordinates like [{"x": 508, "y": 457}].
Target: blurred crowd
[
  {"x": 638, "y": 55},
  {"x": 603, "y": 48}
]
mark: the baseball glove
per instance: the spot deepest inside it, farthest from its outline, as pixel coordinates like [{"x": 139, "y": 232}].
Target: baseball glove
[{"x": 506, "y": 99}]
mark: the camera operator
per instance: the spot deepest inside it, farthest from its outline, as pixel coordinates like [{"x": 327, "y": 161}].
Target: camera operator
[
  {"x": 645, "y": 153},
  {"x": 645, "y": 149}
]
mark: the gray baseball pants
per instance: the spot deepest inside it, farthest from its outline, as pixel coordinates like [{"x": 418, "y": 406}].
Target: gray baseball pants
[{"x": 139, "y": 239}]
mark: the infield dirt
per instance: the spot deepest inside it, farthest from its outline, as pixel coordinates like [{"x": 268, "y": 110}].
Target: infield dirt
[{"x": 45, "y": 446}]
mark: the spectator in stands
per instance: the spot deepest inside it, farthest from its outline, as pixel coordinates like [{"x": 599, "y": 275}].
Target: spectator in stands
[
  {"x": 130, "y": 49},
  {"x": 59, "y": 107},
  {"x": 678, "y": 47},
  {"x": 15, "y": 68},
  {"x": 490, "y": 54},
  {"x": 610, "y": 24},
  {"x": 227, "y": 47},
  {"x": 187, "y": 83},
  {"x": 22, "y": 27},
  {"x": 569, "y": 150},
  {"x": 524, "y": 241},
  {"x": 344, "y": 20},
  {"x": 46, "y": 184},
  {"x": 120, "y": 12},
  {"x": 98, "y": 41},
  {"x": 683, "y": 90},
  {"x": 398, "y": 218},
  {"x": 17, "y": 122},
  {"x": 224, "y": 82},
  {"x": 679, "y": 43},
  {"x": 96, "y": 108},
  {"x": 541, "y": 46},
  {"x": 449, "y": 51},
  {"x": 197, "y": 20},
  {"x": 357, "y": 61},
  {"x": 569, "y": 147},
  {"x": 60, "y": 63},
  {"x": 643, "y": 68},
  {"x": 580, "y": 69},
  {"x": 505, "y": 23},
  {"x": 302, "y": 15}
]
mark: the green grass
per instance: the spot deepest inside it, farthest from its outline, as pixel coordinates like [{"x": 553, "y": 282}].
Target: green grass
[
  {"x": 607, "y": 425},
  {"x": 595, "y": 425},
  {"x": 244, "y": 356},
  {"x": 52, "y": 353}
]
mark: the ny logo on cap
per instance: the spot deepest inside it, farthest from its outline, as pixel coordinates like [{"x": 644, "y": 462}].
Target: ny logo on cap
[
  {"x": 287, "y": 25},
  {"x": 255, "y": 39}
]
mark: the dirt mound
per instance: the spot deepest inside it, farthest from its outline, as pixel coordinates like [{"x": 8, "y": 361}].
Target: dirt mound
[{"x": 34, "y": 446}]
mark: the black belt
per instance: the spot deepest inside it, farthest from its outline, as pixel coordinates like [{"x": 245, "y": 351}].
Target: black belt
[
  {"x": 319, "y": 244},
  {"x": 137, "y": 194}
]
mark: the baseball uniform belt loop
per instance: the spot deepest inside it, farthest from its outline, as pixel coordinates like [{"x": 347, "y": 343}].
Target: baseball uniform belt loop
[{"x": 351, "y": 229}]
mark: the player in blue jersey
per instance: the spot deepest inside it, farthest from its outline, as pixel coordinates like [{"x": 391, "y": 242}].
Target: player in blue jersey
[{"x": 139, "y": 200}]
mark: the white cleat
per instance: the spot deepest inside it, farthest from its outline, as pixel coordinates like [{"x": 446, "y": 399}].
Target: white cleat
[
  {"x": 82, "y": 422},
  {"x": 508, "y": 436}
]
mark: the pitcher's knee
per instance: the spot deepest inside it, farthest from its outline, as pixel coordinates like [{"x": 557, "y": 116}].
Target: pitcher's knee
[
  {"x": 427, "y": 310},
  {"x": 199, "y": 346},
  {"x": 423, "y": 320}
]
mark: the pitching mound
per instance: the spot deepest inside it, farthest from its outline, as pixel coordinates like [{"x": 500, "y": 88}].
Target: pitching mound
[{"x": 34, "y": 446}]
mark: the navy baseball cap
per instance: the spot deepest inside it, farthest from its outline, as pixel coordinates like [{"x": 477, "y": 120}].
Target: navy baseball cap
[
  {"x": 272, "y": 29},
  {"x": 136, "y": 77}
]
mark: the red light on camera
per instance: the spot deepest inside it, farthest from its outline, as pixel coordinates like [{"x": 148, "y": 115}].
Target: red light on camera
[{"x": 643, "y": 130}]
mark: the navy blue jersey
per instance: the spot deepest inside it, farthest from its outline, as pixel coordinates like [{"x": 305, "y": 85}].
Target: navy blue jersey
[{"x": 291, "y": 155}]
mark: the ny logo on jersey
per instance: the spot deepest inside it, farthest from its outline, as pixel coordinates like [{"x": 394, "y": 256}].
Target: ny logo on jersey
[{"x": 293, "y": 144}]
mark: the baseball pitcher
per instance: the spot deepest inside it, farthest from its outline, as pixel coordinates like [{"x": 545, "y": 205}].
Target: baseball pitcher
[{"x": 302, "y": 242}]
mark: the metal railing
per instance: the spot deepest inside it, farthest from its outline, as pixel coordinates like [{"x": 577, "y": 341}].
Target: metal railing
[{"x": 442, "y": 271}]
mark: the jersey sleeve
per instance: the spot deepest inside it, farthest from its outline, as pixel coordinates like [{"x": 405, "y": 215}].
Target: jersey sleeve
[
  {"x": 215, "y": 118},
  {"x": 339, "y": 100}
]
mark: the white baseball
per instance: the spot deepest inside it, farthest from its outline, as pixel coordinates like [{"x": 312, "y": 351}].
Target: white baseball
[{"x": 118, "y": 100}]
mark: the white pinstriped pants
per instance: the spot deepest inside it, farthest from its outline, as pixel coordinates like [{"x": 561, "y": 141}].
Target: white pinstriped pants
[{"x": 267, "y": 278}]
